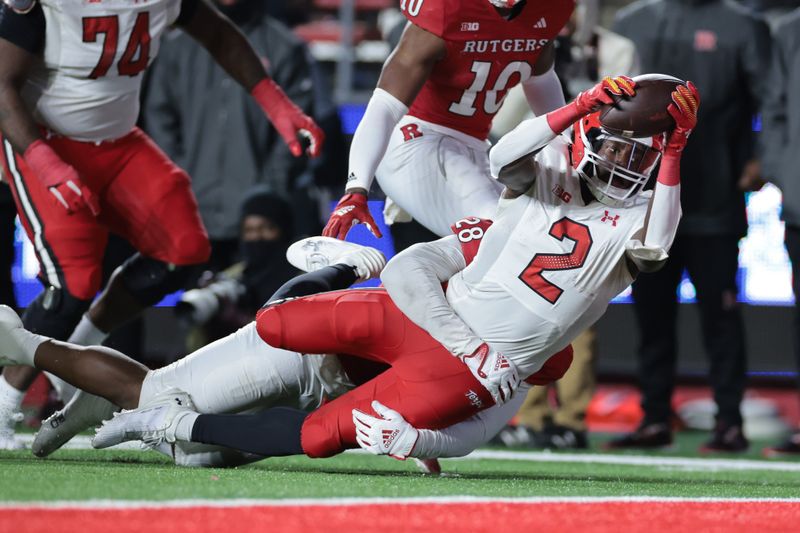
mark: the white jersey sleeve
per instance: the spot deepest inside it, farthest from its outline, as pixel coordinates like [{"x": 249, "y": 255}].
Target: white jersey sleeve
[
  {"x": 462, "y": 438},
  {"x": 87, "y": 87}
]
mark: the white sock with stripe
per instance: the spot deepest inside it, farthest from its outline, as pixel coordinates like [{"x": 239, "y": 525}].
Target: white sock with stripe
[{"x": 87, "y": 334}]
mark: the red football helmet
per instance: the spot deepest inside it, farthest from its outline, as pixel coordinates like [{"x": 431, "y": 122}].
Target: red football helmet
[{"x": 615, "y": 168}]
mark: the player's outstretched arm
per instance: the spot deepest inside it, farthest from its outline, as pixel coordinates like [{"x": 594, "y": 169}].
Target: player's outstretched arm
[
  {"x": 665, "y": 206},
  {"x": 16, "y": 122},
  {"x": 233, "y": 52},
  {"x": 457, "y": 440},
  {"x": 403, "y": 75}
]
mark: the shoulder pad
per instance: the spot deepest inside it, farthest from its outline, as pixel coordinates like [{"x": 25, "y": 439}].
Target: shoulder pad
[{"x": 20, "y": 6}]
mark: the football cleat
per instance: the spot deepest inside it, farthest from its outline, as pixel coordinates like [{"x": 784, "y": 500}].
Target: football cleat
[
  {"x": 313, "y": 253},
  {"x": 153, "y": 423},
  {"x": 82, "y": 412}
]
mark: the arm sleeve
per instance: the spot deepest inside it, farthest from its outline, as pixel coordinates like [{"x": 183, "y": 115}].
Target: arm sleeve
[
  {"x": 544, "y": 92},
  {"x": 371, "y": 138},
  {"x": 414, "y": 280},
  {"x": 26, "y": 31},
  {"x": 462, "y": 438},
  {"x": 661, "y": 225},
  {"x": 525, "y": 140}
]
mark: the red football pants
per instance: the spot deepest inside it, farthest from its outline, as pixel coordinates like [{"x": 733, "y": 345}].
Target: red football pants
[
  {"x": 426, "y": 383},
  {"x": 144, "y": 197}
]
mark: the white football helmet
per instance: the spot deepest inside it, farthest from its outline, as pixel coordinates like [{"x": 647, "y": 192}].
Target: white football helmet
[
  {"x": 20, "y": 6},
  {"x": 614, "y": 167}
]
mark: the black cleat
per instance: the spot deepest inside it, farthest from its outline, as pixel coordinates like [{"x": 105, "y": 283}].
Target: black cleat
[
  {"x": 646, "y": 437},
  {"x": 726, "y": 438},
  {"x": 790, "y": 447}
]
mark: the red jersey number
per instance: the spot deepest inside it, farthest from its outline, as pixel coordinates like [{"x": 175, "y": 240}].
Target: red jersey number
[
  {"x": 533, "y": 277},
  {"x": 491, "y": 103},
  {"x": 137, "y": 53}
]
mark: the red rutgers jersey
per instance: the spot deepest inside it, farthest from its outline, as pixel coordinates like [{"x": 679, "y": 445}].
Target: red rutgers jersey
[{"x": 486, "y": 56}]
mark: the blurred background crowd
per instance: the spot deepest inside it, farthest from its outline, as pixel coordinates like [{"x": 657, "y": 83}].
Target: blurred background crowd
[{"x": 655, "y": 364}]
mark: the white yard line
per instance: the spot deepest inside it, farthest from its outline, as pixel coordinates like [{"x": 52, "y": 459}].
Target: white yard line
[
  {"x": 83, "y": 442},
  {"x": 337, "y": 502}
]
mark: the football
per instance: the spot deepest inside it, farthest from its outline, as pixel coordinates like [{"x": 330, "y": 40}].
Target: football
[{"x": 645, "y": 113}]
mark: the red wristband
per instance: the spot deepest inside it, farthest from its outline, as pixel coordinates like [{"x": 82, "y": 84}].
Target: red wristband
[
  {"x": 670, "y": 171},
  {"x": 563, "y": 117}
]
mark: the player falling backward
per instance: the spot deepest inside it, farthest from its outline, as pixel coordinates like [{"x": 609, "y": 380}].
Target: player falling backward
[
  {"x": 525, "y": 293},
  {"x": 79, "y": 168}
]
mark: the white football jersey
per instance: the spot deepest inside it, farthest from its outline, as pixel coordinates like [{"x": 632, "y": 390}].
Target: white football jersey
[
  {"x": 548, "y": 266},
  {"x": 94, "y": 56}
]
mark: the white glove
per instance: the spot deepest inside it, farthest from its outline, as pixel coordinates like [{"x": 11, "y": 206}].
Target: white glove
[
  {"x": 495, "y": 371},
  {"x": 389, "y": 435}
]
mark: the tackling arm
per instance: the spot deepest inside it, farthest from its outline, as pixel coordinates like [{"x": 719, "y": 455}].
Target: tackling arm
[
  {"x": 233, "y": 52},
  {"x": 414, "y": 278}
]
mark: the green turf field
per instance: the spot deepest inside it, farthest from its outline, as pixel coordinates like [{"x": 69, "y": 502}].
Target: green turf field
[{"x": 89, "y": 474}]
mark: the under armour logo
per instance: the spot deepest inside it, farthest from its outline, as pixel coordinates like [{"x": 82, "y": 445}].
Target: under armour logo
[
  {"x": 389, "y": 436},
  {"x": 178, "y": 401},
  {"x": 610, "y": 218}
]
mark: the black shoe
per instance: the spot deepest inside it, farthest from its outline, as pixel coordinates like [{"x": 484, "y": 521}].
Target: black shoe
[
  {"x": 565, "y": 438},
  {"x": 726, "y": 438},
  {"x": 790, "y": 447},
  {"x": 647, "y": 437},
  {"x": 519, "y": 437}
]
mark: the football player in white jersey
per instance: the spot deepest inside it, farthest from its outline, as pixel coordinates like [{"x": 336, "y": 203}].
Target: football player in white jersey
[
  {"x": 79, "y": 168},
  {"x": 569, "y": 236}
]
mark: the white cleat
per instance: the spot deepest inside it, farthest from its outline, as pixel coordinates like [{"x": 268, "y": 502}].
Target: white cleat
[
  {"x": 10, "y": 348},
  {"x": 82, "y": 412},
  {"x": 153, "y": 423},
  {"x": 313, "y": 253}
]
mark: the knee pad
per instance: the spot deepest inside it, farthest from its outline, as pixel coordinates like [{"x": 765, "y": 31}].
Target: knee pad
[
  {"x": 149, "y": 280},
  {"x": 54, "y": 313}
]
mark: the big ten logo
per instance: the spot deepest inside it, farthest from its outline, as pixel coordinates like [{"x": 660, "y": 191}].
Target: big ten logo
[
  {"x": 410, "y": 131},
  {"x": 559, "y": 191}
]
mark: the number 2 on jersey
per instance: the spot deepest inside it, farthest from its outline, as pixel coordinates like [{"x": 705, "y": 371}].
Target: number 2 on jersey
[
  {"x": 533, "y": 277},
  {"x": 138, "y": 44}
]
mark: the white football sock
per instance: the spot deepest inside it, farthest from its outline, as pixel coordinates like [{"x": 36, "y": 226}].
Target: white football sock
[
  {"x": 87, "y": 334},
  {"x": 185, "y": 424},
  {"x": 64, "y": 390}
]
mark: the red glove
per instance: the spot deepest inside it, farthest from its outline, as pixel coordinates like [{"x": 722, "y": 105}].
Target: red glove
[
  {"x": 60, "y": 179},
  {"x": 589, "y": 101},
  {"x": 351, "y": 210},
  {"x": 287, "y": 118},
  {"x": 684, "y": 106}
]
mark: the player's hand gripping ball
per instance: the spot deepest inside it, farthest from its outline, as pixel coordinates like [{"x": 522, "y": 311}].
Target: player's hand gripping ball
[{"x": 644, "y": 113}]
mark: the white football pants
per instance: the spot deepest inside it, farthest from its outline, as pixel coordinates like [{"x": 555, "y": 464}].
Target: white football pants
[
  {"x": 438, "y": 175},
  {"x": 242, "y": 373}
]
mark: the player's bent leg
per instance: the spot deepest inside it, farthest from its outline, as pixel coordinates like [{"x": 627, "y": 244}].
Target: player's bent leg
[
  {"x": 432, "y": 390},
  {"x": 237, "y": 373},
  {"x": 363, "y": 322},
  {"x": 137, "y": 284}
]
